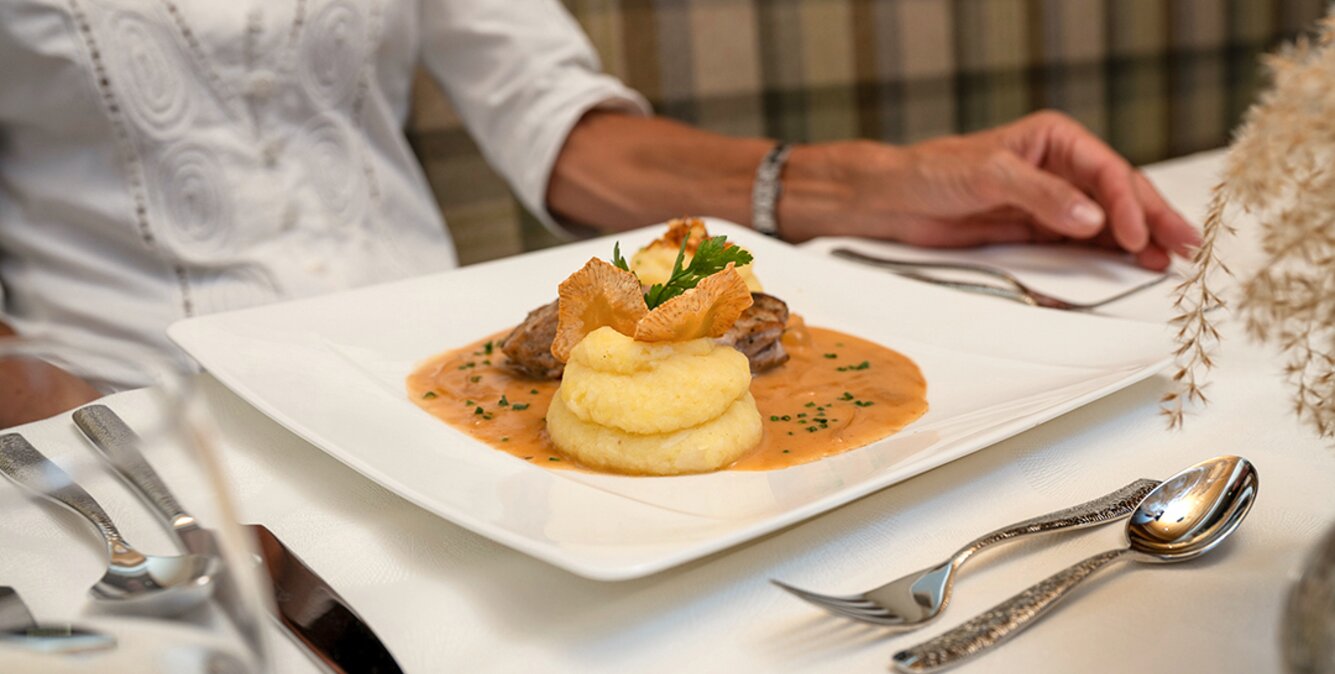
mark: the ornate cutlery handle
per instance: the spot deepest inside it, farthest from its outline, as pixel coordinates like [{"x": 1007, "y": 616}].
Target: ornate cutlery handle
[
  {"x": 22, "y": 463},
  {"x": 1001, "y": 622},
  {"x": 118, "y": 443},
  {"x": 1114, "y": 506}
]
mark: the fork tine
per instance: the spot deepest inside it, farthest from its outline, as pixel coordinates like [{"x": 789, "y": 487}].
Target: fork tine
[
  {"x": 878, "y": 616},
  {"x": 855, "y": 607},
  {"x": 818, "y": 597}
]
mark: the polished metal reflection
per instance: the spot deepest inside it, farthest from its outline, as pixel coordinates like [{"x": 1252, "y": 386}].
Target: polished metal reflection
[
  {"x": 19, "y": 630},
  {"x": 317, "y": 616},
  {"x": 1013, "y": 290},
  {"x": 134, "y": 581},
  {"x": 1187, "y": 516},
  {"x": 918, "y": 598},
  {"x": 121, "y": 447}
]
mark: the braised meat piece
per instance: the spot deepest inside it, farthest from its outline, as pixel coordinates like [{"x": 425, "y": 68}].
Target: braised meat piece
[
  {"x": 529, "y": 346},
  {"x": 756, "y": 334}
]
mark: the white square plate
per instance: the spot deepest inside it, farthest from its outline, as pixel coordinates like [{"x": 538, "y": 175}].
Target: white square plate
[{"x": 332, "y": 370}]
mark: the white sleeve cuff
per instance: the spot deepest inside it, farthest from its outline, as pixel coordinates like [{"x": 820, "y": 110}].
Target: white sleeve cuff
[{"x": 598, "y": 92}]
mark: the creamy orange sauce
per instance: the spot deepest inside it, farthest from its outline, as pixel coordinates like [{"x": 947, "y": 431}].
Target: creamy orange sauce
[{"x": 837, "y": 392}]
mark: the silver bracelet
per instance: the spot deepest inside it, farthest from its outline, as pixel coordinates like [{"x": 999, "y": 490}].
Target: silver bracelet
[{"x": 765, "y": 193}]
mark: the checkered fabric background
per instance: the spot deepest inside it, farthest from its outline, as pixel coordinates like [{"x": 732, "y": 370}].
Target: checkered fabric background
[{"x": 1156, "y": 78}]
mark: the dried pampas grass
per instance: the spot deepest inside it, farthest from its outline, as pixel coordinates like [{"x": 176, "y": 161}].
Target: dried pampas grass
[{"x": 1280, "y": 170}]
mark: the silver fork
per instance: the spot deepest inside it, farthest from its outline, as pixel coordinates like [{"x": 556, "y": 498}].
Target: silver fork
[
  {"x": 919, "y": 597},
  {"x": 1018, "y": 291}
]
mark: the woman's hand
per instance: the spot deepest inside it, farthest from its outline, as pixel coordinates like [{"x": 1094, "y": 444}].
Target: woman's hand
[
  {"x": 1042, "y": 178},
  {"x": 32, "y": 389}
]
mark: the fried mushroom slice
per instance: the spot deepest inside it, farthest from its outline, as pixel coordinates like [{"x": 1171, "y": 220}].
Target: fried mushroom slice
[
  {"x": 599, "y": 294},
  {"x": 707, "y": 310}
]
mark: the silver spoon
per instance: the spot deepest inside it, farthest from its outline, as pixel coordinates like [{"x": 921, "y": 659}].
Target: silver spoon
[
  {"x": 1183, "y": 518},
  {"x": 134, "y": 581},
  {"x": 17, "y": 628}
]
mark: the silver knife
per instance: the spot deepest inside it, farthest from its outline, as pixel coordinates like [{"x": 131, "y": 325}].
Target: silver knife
[
  {"x": 310, "y": 610},
  {"x": 317, "y": 616},
  {"x": 17, "y": 628}
]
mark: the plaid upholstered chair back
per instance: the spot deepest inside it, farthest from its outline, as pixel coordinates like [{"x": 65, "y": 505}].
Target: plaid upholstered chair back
[{"x": 1157, "y": 78}]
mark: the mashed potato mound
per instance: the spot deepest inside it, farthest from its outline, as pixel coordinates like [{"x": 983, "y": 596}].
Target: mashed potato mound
[
  {"x": 653, "y": 264},
  {"x": 637, "y": 387},
  {"x": 655, "y": 408},
  {"x": 709, "y": 446}
]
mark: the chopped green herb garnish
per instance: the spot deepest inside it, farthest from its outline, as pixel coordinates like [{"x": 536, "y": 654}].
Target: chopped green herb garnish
[
  {"x": 552, "y": 458},
  {"x": 505, "y": 438},
  {"x": 846, "y": 396},
  {"x": 786, "y": 418},
  {"x": 839, "y": 344},
  {"x": 477, "y": 410},
  {"x": 831, "y": 355},
  {"x": 773, "y": 417},
  {"x": 812, "y": 429},
  {"x": 533, "y": 391},
  {"x": 429, "y": 395},
  {"x": 486, "y": 361},
  {"x": 801, "y": 415},
  {"x": 863, "y": 403},
  {"x": 487, "y": 347},
  {"x": 487, "y": 417},
  {"x": 504, "y": 402},
  {"x": 468, "y": 403},
  {"x": 519, "y": 407},
  {"x": 790, "y": 432},
  {"x": 810, "y": 405},
  {"x": 475, "y": 378},
  {"x": 785, "y": 451}
]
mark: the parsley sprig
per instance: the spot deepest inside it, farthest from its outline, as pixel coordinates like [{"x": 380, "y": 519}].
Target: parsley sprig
[
  {"x": 712, "y": 256},
  {"x": 618, "y": 261}
]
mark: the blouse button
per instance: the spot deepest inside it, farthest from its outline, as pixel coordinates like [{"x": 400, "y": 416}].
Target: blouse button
[
  {"x": 290, "y": 216},
  {"x": 270, "y": 151},
  {"x": 262, "y": 85}
]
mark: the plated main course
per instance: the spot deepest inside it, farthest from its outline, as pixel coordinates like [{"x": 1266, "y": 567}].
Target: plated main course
[{"x": 673, "y": 362}]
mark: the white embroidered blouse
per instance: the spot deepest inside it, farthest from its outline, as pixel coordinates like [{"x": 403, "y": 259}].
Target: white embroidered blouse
[{"x": 163, "y": 158}]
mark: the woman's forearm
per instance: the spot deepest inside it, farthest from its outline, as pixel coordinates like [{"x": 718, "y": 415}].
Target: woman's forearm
[
  {"x": 1041, "y": 178},
  {"x": 619, "y": 172},
  {"x": 32, "y": 389}
]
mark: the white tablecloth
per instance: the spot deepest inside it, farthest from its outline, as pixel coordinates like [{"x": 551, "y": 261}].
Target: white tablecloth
[{"x": 444, "y": 599}]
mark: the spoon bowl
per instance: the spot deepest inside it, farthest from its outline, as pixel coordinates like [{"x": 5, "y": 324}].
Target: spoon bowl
[
  {"x": 1194, "y": 511},
  {"x": 154, "y": 584},
  {"x": 18, "y": 629}
]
